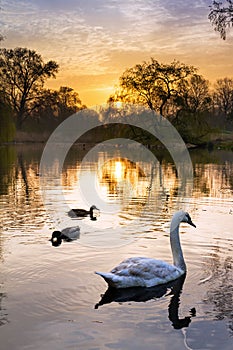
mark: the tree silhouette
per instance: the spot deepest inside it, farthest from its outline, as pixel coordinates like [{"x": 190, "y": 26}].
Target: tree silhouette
[
  {"x": 54, "y": 106},
  {"x": 223, "y": 97},
  {"x": 152, "y": 83},
  {"x": 22, "y": 77},
  {"x": 194, "y": 95},
  {"x": 221, "y": 16}
]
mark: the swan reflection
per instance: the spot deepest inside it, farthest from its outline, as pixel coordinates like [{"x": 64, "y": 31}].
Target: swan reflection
[{"x": 141, "y": 294}]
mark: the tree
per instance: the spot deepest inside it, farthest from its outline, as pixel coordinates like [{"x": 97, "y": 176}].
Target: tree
[
  {"x": 45, "y": 108},
  {"x": 22, "y": 77},
  {"x": 193, "y": 105},
  {"x": 7, "y": 126},
  {"x": 221, "y": 16},
  {"x": 152, "y": 83},
  {"x": 194, "y": 95},
  {"x": 68, "y": 102},
  {"x": 57, "y": 105},
  {"x": 223, "y": 96}
]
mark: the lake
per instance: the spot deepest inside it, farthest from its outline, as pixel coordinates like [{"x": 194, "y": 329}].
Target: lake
[{"x": 50, "y": 297}]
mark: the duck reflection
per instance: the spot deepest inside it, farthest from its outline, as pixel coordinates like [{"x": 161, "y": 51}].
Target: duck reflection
[{"x": 140, "y": 294}]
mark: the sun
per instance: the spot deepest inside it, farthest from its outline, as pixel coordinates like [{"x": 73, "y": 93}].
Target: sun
[{"x": 118, "y": 104}]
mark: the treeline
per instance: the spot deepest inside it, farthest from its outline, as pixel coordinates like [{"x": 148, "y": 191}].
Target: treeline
[
  {"x": 175, "y": 91},
  {"x": 24, "y": 101}
]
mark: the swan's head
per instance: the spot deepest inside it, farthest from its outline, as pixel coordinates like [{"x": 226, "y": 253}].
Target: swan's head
[
  {"x": 186, "y": 218},
  {"x": 56, "y": 238},
  {"x": 181, "y": 216}
]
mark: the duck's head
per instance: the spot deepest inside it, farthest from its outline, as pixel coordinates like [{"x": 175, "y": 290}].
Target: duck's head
[
  {"x": 94, "y": 212},
  {"x": 93, "y": 207},
  {"x": 56, "y": 238}
]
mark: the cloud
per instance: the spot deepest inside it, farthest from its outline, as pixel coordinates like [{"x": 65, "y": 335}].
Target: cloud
[
  {"x": 90, "y": 32},
  {"x": 97, "y": 38}
]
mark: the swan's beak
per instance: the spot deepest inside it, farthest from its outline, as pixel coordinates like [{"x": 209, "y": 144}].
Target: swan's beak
[{"x": 191, "y": 223}]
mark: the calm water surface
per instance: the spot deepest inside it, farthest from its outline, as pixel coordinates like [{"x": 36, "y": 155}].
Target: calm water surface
[{"x": 50, "y": 297}]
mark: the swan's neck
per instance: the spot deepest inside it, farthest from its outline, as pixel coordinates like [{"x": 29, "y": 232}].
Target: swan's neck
[{"x": 178, "y": 259}]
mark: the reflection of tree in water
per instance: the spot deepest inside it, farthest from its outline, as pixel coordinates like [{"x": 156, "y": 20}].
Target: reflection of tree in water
[
  {"x": 140, "y": 294},
  {"x": 3, "y": 314},
  {"x": 220, "y": 293},
  {"x": 7, "y": 160},
  {"x": 118, "y": 171},
  {"x": 213, "y": 179},
  {"x": 20, "y": 184}
]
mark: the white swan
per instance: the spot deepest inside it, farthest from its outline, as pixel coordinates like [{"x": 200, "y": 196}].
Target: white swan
[{"x": 147, "y": 272}]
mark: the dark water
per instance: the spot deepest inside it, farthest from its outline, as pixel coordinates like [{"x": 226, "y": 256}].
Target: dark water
[{"x": 49, "y": 295}]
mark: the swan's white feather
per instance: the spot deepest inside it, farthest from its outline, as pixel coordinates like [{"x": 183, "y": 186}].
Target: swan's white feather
[{"x": 141, "y": 271}]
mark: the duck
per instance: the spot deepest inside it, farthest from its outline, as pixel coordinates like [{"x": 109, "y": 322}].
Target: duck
[
  {"x": 93, "y": 212},
  {"x": 148, "y": 272},
  {"x": 68, "y": 234}
]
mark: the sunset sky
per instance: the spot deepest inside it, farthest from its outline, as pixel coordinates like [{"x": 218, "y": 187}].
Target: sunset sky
[{"x": 94, "y": 41}]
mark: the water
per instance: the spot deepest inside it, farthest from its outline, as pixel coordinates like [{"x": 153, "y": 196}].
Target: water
[{"x": 49, "y": 295}]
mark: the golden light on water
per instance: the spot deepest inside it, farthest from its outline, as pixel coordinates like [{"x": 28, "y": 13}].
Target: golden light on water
[
  {"x": 120, "y": 176},
  {"x": 119, "y": 170}
]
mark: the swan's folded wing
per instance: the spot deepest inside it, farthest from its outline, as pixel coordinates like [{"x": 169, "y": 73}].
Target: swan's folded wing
[
  {"x": 142, "y": 272},
  {"x": 146, "y": 269}
]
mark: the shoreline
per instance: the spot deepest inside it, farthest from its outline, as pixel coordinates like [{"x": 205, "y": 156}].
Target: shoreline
[{"x": 218, "y": 140}]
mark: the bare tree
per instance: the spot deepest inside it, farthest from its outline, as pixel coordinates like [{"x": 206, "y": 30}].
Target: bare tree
[
  {"x": 194, "y": 94},
  {"x": 223, "y": 96},
  {"x": 221, "y": 16}
]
